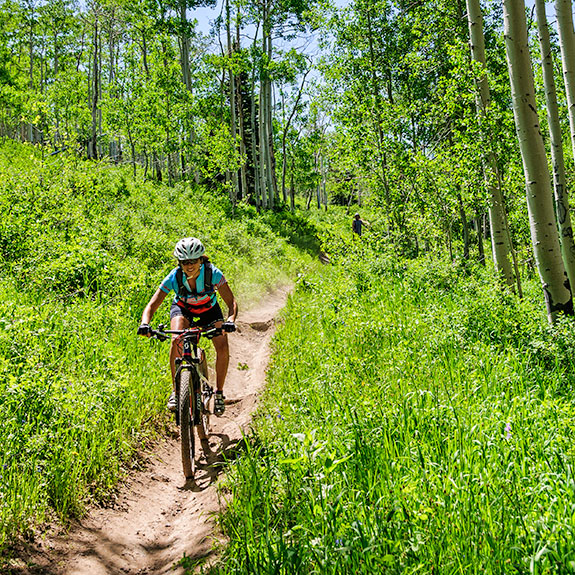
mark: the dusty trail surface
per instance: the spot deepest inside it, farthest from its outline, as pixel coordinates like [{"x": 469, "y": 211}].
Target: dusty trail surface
[{"x": 159, "y": 516}]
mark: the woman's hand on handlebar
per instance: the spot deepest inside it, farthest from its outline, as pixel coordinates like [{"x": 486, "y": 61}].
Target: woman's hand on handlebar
[
  {"x": 228, "y": 326},
  {"x": 145, "y": 330},
  {"x": 223, "y": 326}
]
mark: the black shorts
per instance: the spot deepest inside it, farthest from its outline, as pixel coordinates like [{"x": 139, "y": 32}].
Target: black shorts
[{"x": 201, "y": 319}]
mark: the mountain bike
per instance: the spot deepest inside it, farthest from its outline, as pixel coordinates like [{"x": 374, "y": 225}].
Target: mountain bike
[{"x": 193, "y": 390}]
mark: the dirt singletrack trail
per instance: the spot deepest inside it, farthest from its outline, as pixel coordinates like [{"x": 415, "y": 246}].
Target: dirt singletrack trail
[{"x": 159, "y": 516}]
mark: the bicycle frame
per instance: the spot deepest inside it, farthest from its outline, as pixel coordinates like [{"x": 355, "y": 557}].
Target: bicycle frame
[
  {"x": 190, "y": 360},
  {"x": 196, "y": 388}
]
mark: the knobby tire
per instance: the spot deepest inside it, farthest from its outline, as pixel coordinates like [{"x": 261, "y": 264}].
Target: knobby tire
[{"x": 187, "y": 437}]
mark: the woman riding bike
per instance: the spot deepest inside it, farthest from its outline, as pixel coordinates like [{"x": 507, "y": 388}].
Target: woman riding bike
[{"x": 195, "y": 282}]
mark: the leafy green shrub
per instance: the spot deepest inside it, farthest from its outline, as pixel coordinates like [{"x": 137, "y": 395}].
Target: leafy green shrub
[
  {"x": 416, "y": 421},
  {"x": 84, "y": 247}
]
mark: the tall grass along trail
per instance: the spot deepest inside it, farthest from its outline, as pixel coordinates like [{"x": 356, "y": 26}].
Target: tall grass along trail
[{"x": 158, "y": 516}]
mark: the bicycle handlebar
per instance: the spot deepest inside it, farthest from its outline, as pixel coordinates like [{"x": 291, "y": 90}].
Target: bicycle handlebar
[{"x": 209, "y": 331}]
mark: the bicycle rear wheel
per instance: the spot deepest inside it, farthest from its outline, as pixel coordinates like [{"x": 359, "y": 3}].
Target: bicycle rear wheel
[{"x": 187, "y": 437}]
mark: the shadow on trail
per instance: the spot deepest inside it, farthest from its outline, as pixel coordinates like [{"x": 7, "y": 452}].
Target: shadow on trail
[
  {"x": 102, "y": 555},
  {"x": 208, "y": 470}
]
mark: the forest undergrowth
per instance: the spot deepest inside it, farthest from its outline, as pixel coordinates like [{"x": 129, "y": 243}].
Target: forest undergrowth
[
  {"x": 83, "y": 247},
  {"x": 417, "y": 420}
]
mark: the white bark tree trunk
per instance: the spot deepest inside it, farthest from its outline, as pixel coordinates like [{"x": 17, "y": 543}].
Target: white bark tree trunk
[
  {"x": 185, "y": 47},
  {"x": 241, "y": 120},
  {"x": 539, "y": 201},
  {"x": 500, "y": 236},
  {"x": 263, "y": 160},
  {"x": 563, "y": 10},
  {"x": 93, "y": 145},
  {"x": 559, "y": 180},
  {"x": 268, "y": 124},
  {"x": 234, "y": 192}
]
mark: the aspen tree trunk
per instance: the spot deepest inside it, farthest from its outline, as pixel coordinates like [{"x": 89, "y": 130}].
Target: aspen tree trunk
[
  {"x": 262, "y": 117},
  {"x": 564, "y": 12},
  {"x": 266, "y": 115},
  {"x": 99, "y": 110},
  {"x": 234, "y": 192},
  {"x": 145, "y": 54},
  {"x": 292, "y": 184},
  {"x": 266, "y": 121},
  {"x": 185, "y": 48},
  {"x": 92, "y": 147},
  {"x": 186, "y": 73},
  {"x": 284, "y": 148},
  {"x": 464, "y": 227},
  {"x": 559, "y": 180},
  {"x": 479, "y": 229},
  {"x": 57, "y": 118},
  {"x": 263, "y": 161},
  {"x": 167, "y": 96},
  {"x": 244, "y": 192},
  {"x": 31, "y": 67},
  {"x": 324, "y": 183},
  {"x": 254, "y": 148},
  {"x": 270, "y": 129},
  {"x": 544, "y": 235},
  {"x": 132, "y": 148},
  {"x": 241, "y": 118},
  {"x": 255, "y": 133},
  {"x": 318, "y": 187},
  {"x": 114, "y": 145},
  {"x": 500, "y": 236}
]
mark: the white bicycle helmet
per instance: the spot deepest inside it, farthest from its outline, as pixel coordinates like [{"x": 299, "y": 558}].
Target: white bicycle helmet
[{"x": 189, "y": 249}]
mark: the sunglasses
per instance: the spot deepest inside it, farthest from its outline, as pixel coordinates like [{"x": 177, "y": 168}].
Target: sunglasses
[{"x": 190, "y": 262}]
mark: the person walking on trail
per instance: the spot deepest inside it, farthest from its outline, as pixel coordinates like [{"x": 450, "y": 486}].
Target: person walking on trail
[
  {"x": 195, "y": 281},
  {"x": 357, "y": 224}
]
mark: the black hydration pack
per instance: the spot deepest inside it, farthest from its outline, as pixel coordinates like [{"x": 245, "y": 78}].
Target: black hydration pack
[{"x": 184, "y": 292}]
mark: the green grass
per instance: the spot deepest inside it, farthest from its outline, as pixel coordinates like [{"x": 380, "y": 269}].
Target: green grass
[
  {"x": 414, "y": 423},
  {"x": 417, "y": 419},
  {"x": 83, "y": 247}
]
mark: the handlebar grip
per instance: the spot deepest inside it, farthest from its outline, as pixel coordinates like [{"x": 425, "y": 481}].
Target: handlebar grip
[
  {"x": 229, "y": 326},
  {"x": 144, "y": 329}
]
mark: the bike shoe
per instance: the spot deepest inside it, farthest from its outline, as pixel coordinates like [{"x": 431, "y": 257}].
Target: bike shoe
[
  {"x": 172, "y": 403},
  {"x": 219, "y": 406}
]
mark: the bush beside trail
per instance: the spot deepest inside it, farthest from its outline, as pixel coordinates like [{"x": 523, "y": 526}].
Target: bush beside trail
[
  {"x": 417, "y": 420},
  {"x": 83, "y": 248}
]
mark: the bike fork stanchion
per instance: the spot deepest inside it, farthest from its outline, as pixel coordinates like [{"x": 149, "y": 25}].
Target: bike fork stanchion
[{"x": 177, "y": 389}]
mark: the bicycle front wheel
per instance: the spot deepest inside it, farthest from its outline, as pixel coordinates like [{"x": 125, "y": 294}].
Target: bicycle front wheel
[{"x": 187, "y": 437}]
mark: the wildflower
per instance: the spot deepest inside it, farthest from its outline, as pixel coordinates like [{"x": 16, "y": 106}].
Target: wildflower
[
  {"x": 339, "y": 542},
  {"x": 508, "y": 431}
]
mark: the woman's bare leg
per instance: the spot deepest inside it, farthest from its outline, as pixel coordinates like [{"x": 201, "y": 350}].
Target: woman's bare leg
[{"x": 222, "y": 359}]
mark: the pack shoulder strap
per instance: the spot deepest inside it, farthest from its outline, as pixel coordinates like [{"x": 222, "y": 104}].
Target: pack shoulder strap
[{"x": 184, "y": 292}]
